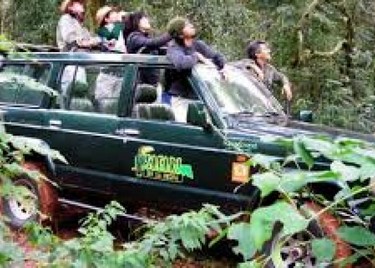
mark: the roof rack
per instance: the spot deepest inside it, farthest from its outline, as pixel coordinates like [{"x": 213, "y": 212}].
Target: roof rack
[{"x": 24, "y": 47}]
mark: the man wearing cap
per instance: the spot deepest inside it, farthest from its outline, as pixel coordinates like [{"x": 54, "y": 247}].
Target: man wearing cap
[
  {"x": 71, "y": 35},
  {"x": 184, "y": 52},
  {"x": 111, "y": 28}
]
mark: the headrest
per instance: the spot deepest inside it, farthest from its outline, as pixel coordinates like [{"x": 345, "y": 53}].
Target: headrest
[
  {"x": 79, "y": 90},
  {"x": 145, "y": 93}
]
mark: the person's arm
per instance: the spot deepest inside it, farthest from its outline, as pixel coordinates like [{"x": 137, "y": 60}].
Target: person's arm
[
  {"x": 180, "y": 60},
  {"x": 140, "y": 40},
  {"x": 68, "y": 31},
  {"x": 75, "y": 35},
  {"x": 280, "y": 77},
  {"x": 216, "y": 57}
]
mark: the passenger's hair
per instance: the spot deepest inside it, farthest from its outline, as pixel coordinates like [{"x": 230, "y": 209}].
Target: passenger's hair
[
  {"x": 132, "y": 22},
  {"x": 253, "y": 48}
]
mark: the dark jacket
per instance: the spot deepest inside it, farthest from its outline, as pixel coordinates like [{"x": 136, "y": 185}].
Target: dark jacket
[
  {"x": 137, "y": 40},
  {"x": 184, "y": 58}
]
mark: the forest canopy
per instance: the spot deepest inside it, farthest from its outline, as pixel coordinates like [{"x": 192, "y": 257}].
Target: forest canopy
[{"x": 325, "y": 47}]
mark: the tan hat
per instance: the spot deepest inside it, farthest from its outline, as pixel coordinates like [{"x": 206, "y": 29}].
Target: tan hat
[
  {"x": 102, "y": 12},
  {"x": 66, "y": 3}
]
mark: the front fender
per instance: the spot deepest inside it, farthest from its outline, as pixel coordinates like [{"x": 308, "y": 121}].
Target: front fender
[{"x": 38, "y": 150}]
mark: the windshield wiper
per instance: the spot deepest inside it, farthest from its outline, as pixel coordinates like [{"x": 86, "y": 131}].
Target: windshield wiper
[
  {"x": 271, "y": 114},
  {"x": 243, "y": 113}
]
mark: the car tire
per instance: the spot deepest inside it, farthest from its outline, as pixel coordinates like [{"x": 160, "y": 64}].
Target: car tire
[
  {"x": 326, "y": 226},
  {"x": 41, "y": 209}
]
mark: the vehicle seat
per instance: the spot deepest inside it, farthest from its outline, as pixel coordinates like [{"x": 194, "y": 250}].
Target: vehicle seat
[
  {"x": 109, "y": 105},
  {"x": 79, "y": 98},
  {"x": 146, "y": 108}
]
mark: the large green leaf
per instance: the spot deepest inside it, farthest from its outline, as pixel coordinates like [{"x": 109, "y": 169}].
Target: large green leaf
[
  {"x": 357, "y": 235},
  {"x": 318, "y": 144},
  {"x": 265, "y": 161},
  {"x": 250, "y": 264},
  {"x": 266, "y": 182},
  {"x": 348, "y": 173},
  {"x": 263, "y": 221},
  {"x": 323, "y": 249},
  {"x": 241, "y": 232},
  {"x": 301, "y": 151}
]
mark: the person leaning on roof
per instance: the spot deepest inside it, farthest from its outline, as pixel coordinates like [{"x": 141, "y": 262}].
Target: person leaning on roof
[
  {"x": 71, "y": 35},
  {"x": 258, "y": 64},
  {"x": 111, "y": 29},
  {"x": 185, "y": 51}
]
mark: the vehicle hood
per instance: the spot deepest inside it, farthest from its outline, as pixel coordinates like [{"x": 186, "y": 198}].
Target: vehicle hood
[{"x": 261, "y": 128}]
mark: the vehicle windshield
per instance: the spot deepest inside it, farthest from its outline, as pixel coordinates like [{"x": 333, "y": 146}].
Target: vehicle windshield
[{"x": 238, "y": 94}]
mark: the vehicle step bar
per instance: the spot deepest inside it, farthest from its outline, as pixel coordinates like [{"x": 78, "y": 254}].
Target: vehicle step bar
[{"x": 124, "y": 215}]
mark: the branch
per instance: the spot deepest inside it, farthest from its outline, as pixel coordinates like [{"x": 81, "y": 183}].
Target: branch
[
  {"x": 307, "y": 13},
  {"x": 331, "y": 53}
]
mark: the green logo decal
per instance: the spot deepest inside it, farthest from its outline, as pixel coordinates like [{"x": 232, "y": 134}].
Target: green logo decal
[{"x": 160, "y": 167}]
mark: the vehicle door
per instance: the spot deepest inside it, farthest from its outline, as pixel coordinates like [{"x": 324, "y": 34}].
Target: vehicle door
[
  {"x": 83, "y": 128},
  {"x": 169, "y": 159}
]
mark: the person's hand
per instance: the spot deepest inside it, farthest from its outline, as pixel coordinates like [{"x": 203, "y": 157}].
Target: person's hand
[
  {"x": 88, "y": 43},
  {"x": 223, "y": 73},
  {"x": 203, "y": 59},
  {"x": 287, "y": 91},
  {"x": 111, "y": 43}
]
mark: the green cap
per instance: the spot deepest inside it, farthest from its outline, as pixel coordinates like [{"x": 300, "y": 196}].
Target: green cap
[{"x": 176, "y": 26}]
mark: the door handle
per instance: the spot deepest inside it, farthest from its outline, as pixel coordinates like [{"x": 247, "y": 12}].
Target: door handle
[
  {"x": 55, "y": 123},
  {"x": 127, "y": 132}
]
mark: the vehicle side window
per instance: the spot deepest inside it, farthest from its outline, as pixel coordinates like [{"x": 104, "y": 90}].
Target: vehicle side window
[
  {"x": 24, "y": 85},
  {"x": 162, "y": 94},
  {"x": 38, "y": 71},
  {"x": 91, "y": 88}
]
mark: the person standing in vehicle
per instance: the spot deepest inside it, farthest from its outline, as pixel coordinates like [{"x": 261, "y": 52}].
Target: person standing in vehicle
[
  {"x": 138, "y": 35},
  {"x": 111, "y": 29},
  {"x": 258, "y": 65},
  {"x": 71, "y": 35},
  {"x": 139, "y": 40},
  {"x": 109, "y": 80},
  {"x": 185, "y": 51}
]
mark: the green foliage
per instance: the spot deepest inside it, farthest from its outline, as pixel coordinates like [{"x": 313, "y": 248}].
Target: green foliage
[
  {"x": 9, "y": 251},
  {"x": 261, "y": 226},
  {"x": 357, "y": 235},
  {"x": 351, "y": 168},
  {"x": 170, "y": 238},
  {"x": 324, "y": 249}
]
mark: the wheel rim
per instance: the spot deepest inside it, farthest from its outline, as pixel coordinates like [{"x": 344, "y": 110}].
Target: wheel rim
[
  {"x": 21, "y": 210},
  {"x": 297, "y": 251},
  {"x": 25, "y": 207}
]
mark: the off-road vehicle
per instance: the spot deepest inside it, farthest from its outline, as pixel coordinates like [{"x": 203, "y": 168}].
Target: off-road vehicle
[{"x": 122, "y": 141}]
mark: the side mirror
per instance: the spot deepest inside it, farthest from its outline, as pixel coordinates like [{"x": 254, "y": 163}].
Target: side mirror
[
  {"x": 2, "y": 59},
  {"x": 306, "y": 116},
  {"x": 197, "y": 115}
]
